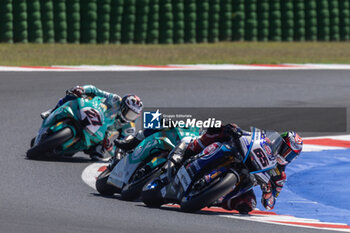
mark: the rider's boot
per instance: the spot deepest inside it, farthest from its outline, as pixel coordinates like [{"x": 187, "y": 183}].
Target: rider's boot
[
  {"x": 127, "y": 144},
  {"x": 143, "y": 171},
  {"x": 96, "y": 153},
  {"x": 243, "y": 204}
]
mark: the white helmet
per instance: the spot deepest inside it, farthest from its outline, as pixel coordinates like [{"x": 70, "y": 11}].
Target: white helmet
[{"x": 130, "y": 107}]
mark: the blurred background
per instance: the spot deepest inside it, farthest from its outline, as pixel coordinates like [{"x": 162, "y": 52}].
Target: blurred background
[{"x": 107, "y": 23}]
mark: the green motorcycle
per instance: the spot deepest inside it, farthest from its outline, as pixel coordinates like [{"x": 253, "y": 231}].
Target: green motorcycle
[
  {"x": 137, "y": 167},
  {"x": 75, "y": 126}
]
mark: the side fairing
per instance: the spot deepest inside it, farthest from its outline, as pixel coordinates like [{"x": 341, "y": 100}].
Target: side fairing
[
  {"x": 67, "y": 110},
  {"x": 126, "y": 167},
  {"x": 150, "y": 145},
  {"x": 91, "y": 114}
]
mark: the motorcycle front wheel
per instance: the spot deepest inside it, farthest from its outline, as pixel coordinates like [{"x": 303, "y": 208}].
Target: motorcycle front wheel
[
  {"x": 197, "y": 199},
  {"x": 151, "y": 194},
  {"x": 103, "y": 187},
  {"x": 133, "y": 190},
  {"x": 49, "y": 143}
]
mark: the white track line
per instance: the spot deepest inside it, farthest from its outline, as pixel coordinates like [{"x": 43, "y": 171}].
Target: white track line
[
  {"x": 278, "y": 219},
  {"x": 178, "y": 67}
]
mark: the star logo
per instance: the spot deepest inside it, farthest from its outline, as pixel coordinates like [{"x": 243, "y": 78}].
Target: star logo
[
  {"x": 156, "y": 115},
  {"x": 151, "y": 120}
]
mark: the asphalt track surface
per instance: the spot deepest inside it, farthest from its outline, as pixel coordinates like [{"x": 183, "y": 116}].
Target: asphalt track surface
[{"x": 49, "y": 196}]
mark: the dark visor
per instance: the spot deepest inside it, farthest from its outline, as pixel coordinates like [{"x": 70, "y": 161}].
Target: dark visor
[{"x": 288, "y": 154}]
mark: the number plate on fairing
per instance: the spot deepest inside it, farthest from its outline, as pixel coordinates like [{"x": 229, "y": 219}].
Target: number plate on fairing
[
  {"x": 122, "y": 172},
  {"x": 94, "y": 118},
  {"x": 262, "y": 150},
  {"x": 184, "y": 177}
]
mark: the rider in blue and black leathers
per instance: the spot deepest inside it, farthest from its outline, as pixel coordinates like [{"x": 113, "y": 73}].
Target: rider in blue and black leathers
[{"x": 290, "y": 149}]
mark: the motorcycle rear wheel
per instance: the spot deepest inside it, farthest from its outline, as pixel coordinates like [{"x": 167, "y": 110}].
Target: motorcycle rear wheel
[
  {"x": 194, "y": 202},
  {"x": 49, "y": 143},
  {"x": 152, "y": 197}
]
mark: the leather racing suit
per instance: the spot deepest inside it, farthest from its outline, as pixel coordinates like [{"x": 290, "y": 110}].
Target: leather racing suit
[
  {"x": 247, "y": 201},
  {"x": 119, "y": 129}
]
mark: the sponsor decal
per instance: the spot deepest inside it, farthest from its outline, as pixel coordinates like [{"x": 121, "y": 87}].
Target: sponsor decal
[
  {"x": 184, "y": 177},
  {"x": 210, "y": 150},
  {"x": 130, "y": 131},
  {"x": 245, "y": 141},
  {"x": 163, "y": 191},
  {"x": 267, "y": 149},
  {"x": 196, "y": 165},
  {"x": 139, "y": 151}
]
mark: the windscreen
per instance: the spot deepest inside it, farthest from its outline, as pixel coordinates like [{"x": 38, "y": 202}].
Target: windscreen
[{"x": 274, "y": 140}]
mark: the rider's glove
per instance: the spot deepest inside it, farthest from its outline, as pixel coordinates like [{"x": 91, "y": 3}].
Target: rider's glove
[
  {"x": 279, "y": 185},
  {"x": 268, "y": 200},
  {"x": 278, "y": 181},
  {"x": 127, "y": 144},
  {"x": 107, "y": 145},
  {"x": 77, "y": 91},
  {"x": 266, "y": 187},
  {"x": 234, "y": 130},
  {"x": 271, "y": 192}
]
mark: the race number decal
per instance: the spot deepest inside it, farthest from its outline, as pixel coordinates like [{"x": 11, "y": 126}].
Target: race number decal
[
  {"x": 94, "y": 118},
  {"x": 262, "y": 157}
]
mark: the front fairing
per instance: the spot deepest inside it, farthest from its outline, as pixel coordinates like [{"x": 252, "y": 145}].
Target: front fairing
[
  {"x": 67, "y": 110},
  {"x": 126, "y": 167},
  {"x": 122, "y": 172},
  {"x": 207, "y": 160},
  {"x": 174, "y": 191},
  {"x": 210, "y": 156},
  {"x": 88, "y": 113},
  {"x": 261, "y": 148}
]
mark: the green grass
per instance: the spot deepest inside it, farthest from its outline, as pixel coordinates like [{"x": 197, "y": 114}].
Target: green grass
[{"x": 220, "y": 53}]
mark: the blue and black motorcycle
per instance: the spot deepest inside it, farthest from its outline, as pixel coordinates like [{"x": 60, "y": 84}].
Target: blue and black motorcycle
[{"x": 215, "y": 172}]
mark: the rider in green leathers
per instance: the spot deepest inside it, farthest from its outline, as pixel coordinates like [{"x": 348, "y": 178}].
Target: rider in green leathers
[
  {"x": 175, "y": 135},
  {"x": 124, "y": 111}
]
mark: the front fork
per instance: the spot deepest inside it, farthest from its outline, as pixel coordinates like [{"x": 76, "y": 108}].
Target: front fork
[
  {"x": 60, "y": 126},
  {"x": 208, "y": 178}
]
